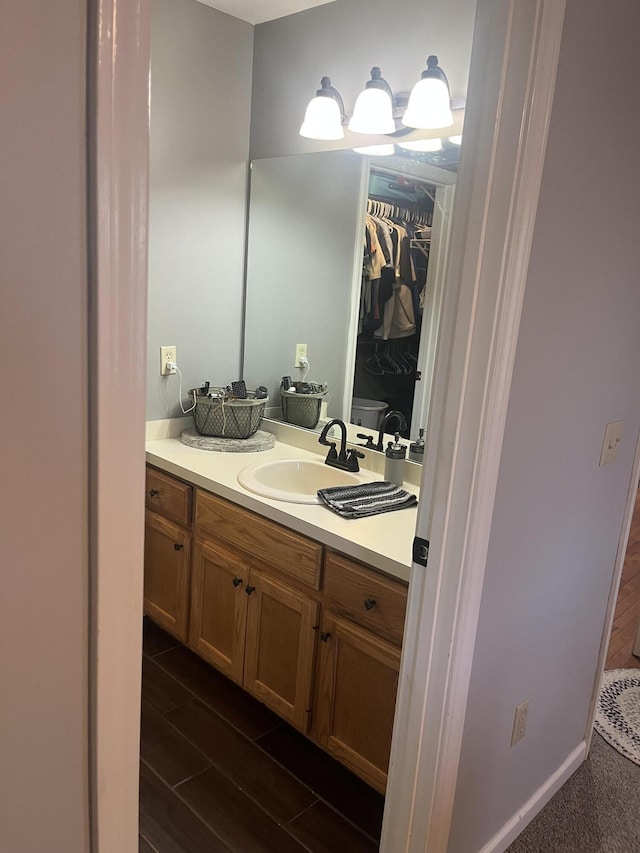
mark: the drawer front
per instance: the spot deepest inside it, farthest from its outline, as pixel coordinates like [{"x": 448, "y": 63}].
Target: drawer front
[
  {"x": 168, "y": 496},
  {"x": 262, "y": 540},
  {"x": 375, "y": 602}
]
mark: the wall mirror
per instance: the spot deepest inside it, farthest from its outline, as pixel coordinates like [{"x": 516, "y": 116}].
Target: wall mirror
[{"x": 304, "y": 277}]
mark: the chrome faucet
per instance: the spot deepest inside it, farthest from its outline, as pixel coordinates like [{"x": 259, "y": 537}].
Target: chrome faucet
[
  {"x": 402, "y": 425},
  {"x": 346, "y": 459}
]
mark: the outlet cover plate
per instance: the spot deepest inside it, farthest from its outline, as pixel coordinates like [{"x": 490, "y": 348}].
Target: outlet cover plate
[
  {"x": 612, "y": 439},
  {"x": 301, "y": 352},
  {"x": 520, "y": 722},
  {"x": 168, "y": 354}
]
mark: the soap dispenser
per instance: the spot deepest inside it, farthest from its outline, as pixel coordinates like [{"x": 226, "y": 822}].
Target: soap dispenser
[
  {"x": 394, "y": 461},
  {"x": 416, "y": 448}
]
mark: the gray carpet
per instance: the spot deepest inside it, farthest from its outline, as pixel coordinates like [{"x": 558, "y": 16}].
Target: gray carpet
[{"x": 597, "y": 810}]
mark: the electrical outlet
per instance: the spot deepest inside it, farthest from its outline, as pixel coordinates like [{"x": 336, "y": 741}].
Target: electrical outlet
[
  {"x": 520, "y": 722},
  {"x": 301, "y": 352},
  {"x": 612, "y": 439},
  {"x": 167, "y": 354}
]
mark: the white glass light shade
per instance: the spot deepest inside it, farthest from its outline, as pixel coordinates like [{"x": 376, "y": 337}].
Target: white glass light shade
[
  {"x": 455, "y": 140},
  {"x": 322, "y": 119},
  {"x": 373, "y": 113},
  {"x": 377, "y": 150},
  {"x": 422, "y": 145},
  {"x": 429, "y": 105}
]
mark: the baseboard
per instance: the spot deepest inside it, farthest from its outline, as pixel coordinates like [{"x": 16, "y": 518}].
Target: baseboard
[{"x": 514, "y": 826}]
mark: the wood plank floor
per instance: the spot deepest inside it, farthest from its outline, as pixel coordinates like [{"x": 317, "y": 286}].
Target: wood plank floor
[
  {"x": 222, "y": 774},
  {"x": 627, "y": 612}
]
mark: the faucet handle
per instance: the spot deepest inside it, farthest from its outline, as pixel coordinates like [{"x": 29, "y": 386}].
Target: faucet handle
[
  {"x": 352, "y": 459},
  {"x": 369, "y": 440}
]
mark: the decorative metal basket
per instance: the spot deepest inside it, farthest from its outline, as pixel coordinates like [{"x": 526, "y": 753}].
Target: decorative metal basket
[
  {"x": 224, "y": 418},
  {"x": 301, "y": 409}
]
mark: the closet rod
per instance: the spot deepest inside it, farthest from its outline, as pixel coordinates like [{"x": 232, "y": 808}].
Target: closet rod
[{"x": 406, "y": 210}]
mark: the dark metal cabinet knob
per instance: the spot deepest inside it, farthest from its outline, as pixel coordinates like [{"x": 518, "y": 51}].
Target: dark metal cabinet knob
[
  {"x": 324, "y": 636},
  {"x": 236, "y": 581},
  {"x": 249, "y": 589},
  {"x": 153, "y": 493},
  {"x": 177, "y": 546},
  {"x": 369, "y": 603}
]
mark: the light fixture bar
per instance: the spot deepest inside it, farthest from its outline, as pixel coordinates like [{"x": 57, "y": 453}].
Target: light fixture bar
[{"x": 428, "y": 107}]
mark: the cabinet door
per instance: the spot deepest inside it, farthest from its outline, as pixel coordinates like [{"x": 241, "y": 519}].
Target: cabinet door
[
  {"x": 356, "y": 697},
  {"x": 281, "y": 641},
  {"x": 219, "y": 608},
  {"x": 167, "y": 557}
]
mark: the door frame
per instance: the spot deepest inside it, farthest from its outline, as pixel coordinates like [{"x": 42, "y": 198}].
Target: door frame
[
  {"x": 621, "y": 553},
  {"x": 511, "y": 86},
  {"x": 512, "y": 79},
  {"x": 432, "y": 312},
  {"x": 118, "y": 134}
]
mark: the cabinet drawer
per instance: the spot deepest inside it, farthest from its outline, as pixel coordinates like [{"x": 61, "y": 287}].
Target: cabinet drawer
[
  {"x": 263, "y": 540},
  {"x": 369, "y": 599},
  {"x": 168, "y": 496}
]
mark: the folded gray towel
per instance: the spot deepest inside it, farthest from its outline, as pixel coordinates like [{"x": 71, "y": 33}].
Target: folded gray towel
[{"x": 366, "y": 499}]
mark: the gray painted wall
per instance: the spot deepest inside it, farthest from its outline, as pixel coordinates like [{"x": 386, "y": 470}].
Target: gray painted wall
[
  {"x": 304, "y": 238},
  {"x": 201, "y": 103},
  {"x": 344, "y": 40},
  {"x": 557, "y": 517},
  {"x": 200, "y": 106},
  {"x": 43, "y": 429}
]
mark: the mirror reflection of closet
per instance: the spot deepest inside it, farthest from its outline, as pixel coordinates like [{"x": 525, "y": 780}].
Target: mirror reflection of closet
[
  {"x": 397, "y": 242},
  {"x": 304, "y": 270},
  {"x": 400, "y": 295}
]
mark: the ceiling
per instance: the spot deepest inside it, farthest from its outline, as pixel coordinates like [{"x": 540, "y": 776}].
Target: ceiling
[{"x": 259, "y": 11}]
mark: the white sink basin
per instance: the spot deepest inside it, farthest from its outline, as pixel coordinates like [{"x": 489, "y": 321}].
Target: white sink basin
[{"x": 293, "y": 480}]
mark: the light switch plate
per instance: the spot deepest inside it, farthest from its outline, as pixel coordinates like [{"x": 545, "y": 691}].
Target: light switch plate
[{"x": 612, "y": 439}]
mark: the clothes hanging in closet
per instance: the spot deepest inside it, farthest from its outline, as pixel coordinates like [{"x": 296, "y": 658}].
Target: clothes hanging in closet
[{"x": 393, "y": 274}]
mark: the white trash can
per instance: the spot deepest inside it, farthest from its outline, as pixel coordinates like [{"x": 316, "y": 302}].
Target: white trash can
[{"x": 367, "y": 413}]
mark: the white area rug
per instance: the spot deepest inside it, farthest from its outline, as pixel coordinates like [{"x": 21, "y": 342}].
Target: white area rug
[{"x": 618, "y": 711}]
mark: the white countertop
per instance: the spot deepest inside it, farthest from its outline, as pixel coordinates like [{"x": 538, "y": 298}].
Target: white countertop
[{"x": 382, "y": 541}]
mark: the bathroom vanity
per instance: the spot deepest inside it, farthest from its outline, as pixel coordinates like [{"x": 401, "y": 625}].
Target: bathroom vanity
[{"x": 264, "y": 592}]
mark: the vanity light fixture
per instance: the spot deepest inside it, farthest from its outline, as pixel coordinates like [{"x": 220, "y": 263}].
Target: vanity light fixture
[
  {"x": 325, "y": 116},
  {"x": 428, "y": 107},
  {"x": 456, "y": 140},
  {"x": 373, "y": 110},
  {"x": 429, "y": 104}
]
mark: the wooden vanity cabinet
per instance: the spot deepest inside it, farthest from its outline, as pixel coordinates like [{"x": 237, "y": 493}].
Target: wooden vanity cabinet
[
  {"x": 247, "y": 618},
  {"x": 310, "y": 633},
  {"x": 167, "y": 553},
  {"x": 358, "y": 667}
]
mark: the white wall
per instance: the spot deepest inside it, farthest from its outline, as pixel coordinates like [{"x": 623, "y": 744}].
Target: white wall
[
  {"x": 201, "y": 63},
  {"x": 557, "y": 517},
  {"x": 343, "y": 41},
  {"x": 43, "y": 429}
]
